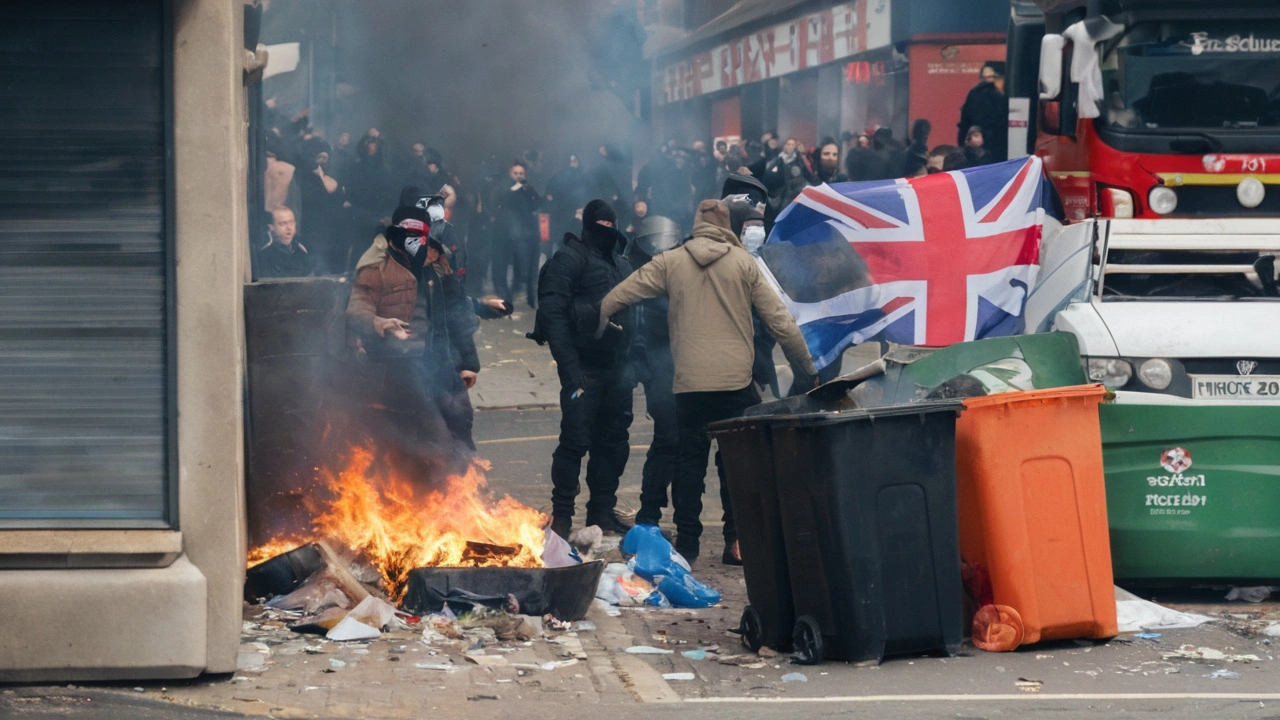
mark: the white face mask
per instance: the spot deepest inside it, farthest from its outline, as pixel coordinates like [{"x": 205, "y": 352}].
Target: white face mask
[
  {"x": 753, "y": 238},
  {"x": 435, "y": 212},
  {"x": 412, "y": 245}
]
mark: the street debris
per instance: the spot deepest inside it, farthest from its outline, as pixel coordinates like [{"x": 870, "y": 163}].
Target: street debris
[
  {"x": 1255, "y": 594},
  {"x": 1133, "y": 614},
  {"x": 647, "y": 650},
  {"x": 1029, "y": 686},
  {"x": 1191, "y": 652},
  {"x": 795, "y": 677},
  {"x": 1222, "y": 674},
  {"x": 678, "y": 676}
]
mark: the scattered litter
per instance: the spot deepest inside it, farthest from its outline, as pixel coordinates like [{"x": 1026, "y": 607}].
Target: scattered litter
[
  {"x": 557, "y": 552},
  {"x": 767, "y": 652},
  {"x": 647, "y": 650},
  {"x": 678, "y": 676},
  {"x": 656, "y": 561},
  {"x": 1250, "y": 594},
  {"x": 584, "y": 626},
  {"x": 745, "y": 661},
  {"x": 351, "y": 629},
  {"x": 795, "y": 677},
  {"x": 443, "y": 667},
  {"x": 1223, "y": 674},
  {"x": 335, "y": 662},
  {"x": 1029, "y": 686},
  {"x": 1133, "y": 614},
  {"x": 695, "y": 654},
  {"x": 1148, "y": 636},
  {"x": 1272, "y": 630},
  {"x": 479, "y": 658},
  {"x": 587, "y": 540},
  {"x": 1191, "y": 652}
]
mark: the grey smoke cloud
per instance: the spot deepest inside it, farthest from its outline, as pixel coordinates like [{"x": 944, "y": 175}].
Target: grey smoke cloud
[{"x": 476, "y": 77}]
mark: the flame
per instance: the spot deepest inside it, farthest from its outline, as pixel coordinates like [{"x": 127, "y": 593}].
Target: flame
[
  {"x": 273, "y": 547},
  {"x": 398, "y": 527}
]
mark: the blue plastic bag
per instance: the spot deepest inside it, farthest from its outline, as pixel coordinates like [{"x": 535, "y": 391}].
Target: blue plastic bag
[{"x": 656, "y": 561}]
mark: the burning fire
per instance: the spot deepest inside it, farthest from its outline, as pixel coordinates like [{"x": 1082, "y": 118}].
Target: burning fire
[
  {"x": 396, "y": 527},
  {"x": 273, "y": 547}
]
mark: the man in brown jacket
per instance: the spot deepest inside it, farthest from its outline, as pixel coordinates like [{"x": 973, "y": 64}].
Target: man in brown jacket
[{"x": 712, "y": 284}]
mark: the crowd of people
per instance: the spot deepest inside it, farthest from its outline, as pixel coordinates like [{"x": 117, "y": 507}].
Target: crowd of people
[{"x": 655, "y": 286}]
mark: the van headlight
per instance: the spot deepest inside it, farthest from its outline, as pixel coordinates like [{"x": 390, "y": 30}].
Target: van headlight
[
  {"x": 1112, "y": 372},
  {"x": 1163, "y": 200},
  {"x": 1155, "y": 373}
]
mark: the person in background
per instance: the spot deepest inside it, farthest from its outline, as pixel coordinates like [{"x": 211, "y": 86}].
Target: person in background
[
  {"x": 936, "y": 161},
  {"x": 639, "y": 211},
  {"x": 987, "y": 107},
  {"x": 323, "y": 200},
  {"x": 915, "y": 166},
  {"x": 370, "y": 185},
  {"x": 786, "y": 176},
  {"x": 518, "y": 242},
  {"x": 828, "y": 170},
  {"x": 567, "y": 193},
  {"x": 712, "y": 284},
  {"x": 859, "y": 162},
  {"x": 595, "y": 390},
  {"x": 341, "y": 159},
  {"x": 285, "y": 256},
  {"x": 975, "y": 151},
  {"x": 654, "y": 367}
]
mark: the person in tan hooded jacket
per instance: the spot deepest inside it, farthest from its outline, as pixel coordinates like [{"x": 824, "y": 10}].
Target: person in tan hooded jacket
[{"x": 711, "y": 283}]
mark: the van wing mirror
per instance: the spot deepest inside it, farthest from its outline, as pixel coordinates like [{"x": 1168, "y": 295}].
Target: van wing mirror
[{"x": 1051, "y": 47}]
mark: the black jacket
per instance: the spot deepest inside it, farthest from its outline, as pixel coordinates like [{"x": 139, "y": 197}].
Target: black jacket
[
  {"x": 517, "y": 212},
  {"x": 444, "y": 316},
  {"x": 573, "y": 283},
  {"x": 987, "y": 108},
  {"x": 280, "y": 261}
]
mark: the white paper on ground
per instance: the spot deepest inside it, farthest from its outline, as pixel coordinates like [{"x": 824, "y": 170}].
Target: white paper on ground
[
  {"x": 351, "y": 629},
  {"x": 374, "y": 612},
  {"x": 1133, "y": 614}
]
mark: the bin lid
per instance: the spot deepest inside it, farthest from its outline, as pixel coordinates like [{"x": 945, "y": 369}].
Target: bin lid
[
  {"x": 1010, "y": 398},
  {"x": 824, "y": 418}
]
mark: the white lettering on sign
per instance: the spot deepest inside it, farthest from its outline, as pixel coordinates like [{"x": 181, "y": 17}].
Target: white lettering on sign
[
  {"x": 1177, "y": 500},
  {"x": 806, "y": 42},
  {"x": 1200, "y": 42},
  {"x": 1176, "y": 480}
]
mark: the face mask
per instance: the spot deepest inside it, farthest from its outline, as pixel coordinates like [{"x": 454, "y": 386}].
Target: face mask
[
  {"x": 436, "y": 213},
  {"x": 753, "y": 238}
]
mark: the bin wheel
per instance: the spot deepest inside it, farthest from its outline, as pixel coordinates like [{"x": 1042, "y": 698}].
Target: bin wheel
[
  {"x": 807, "y": 639},
  {"x": 752, "y": 629}
]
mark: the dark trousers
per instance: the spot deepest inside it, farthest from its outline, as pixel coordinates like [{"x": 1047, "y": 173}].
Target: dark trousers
[
  {"x": 445, "y": 391},
  {"x": 694, "y": 411},
  {"x": 664, "y": 452},
  {"x": 520, "y": 252},
  {"x": 597, "y": 422}
]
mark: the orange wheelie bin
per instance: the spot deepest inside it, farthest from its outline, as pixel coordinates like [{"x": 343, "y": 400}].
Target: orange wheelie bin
[{"x": 1033, "y": 517}]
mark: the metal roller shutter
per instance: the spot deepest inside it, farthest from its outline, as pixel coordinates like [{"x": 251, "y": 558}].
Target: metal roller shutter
[{"x": 84, "y": 266}]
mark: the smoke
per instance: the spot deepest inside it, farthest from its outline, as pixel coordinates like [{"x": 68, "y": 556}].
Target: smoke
[{"x": 475, "y": 78}]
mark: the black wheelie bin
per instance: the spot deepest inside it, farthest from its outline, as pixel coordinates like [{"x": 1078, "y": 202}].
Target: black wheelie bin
[
  {"x": 868, "y": 510},
  {"x": 746, "y": 449}
]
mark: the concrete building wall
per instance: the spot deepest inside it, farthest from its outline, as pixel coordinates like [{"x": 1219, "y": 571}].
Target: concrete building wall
[{"x": 102, "y": 604}]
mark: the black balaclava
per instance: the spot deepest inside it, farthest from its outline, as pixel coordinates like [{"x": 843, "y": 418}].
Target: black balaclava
[{"x": 604, "y": 239}]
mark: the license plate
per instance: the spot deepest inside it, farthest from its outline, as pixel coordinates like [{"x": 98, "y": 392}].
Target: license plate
[{"x": 1235, "y": 387}]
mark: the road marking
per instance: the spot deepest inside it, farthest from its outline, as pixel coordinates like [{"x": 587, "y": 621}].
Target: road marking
[
  {"x": 534, "y": 438},
  {"x": 539, "y": 438},
  {"x": 986, "y": 698}
]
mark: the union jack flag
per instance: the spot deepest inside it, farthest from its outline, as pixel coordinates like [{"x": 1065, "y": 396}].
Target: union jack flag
[{"x": 928, "y": 261}]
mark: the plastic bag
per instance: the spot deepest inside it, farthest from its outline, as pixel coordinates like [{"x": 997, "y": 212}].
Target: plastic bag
[
  {"x": 557, "y": 552},
  {"x": 656, "y": 561},
  {"x": 620, "y": 586}
]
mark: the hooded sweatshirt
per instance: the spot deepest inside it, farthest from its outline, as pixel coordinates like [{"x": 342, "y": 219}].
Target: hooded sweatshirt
[{"x": 712, "y": 284}]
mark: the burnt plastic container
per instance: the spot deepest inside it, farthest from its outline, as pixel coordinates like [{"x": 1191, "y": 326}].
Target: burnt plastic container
[
  {"x": 868, "y": 510},
  {"x": 746, "y": 447}
]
